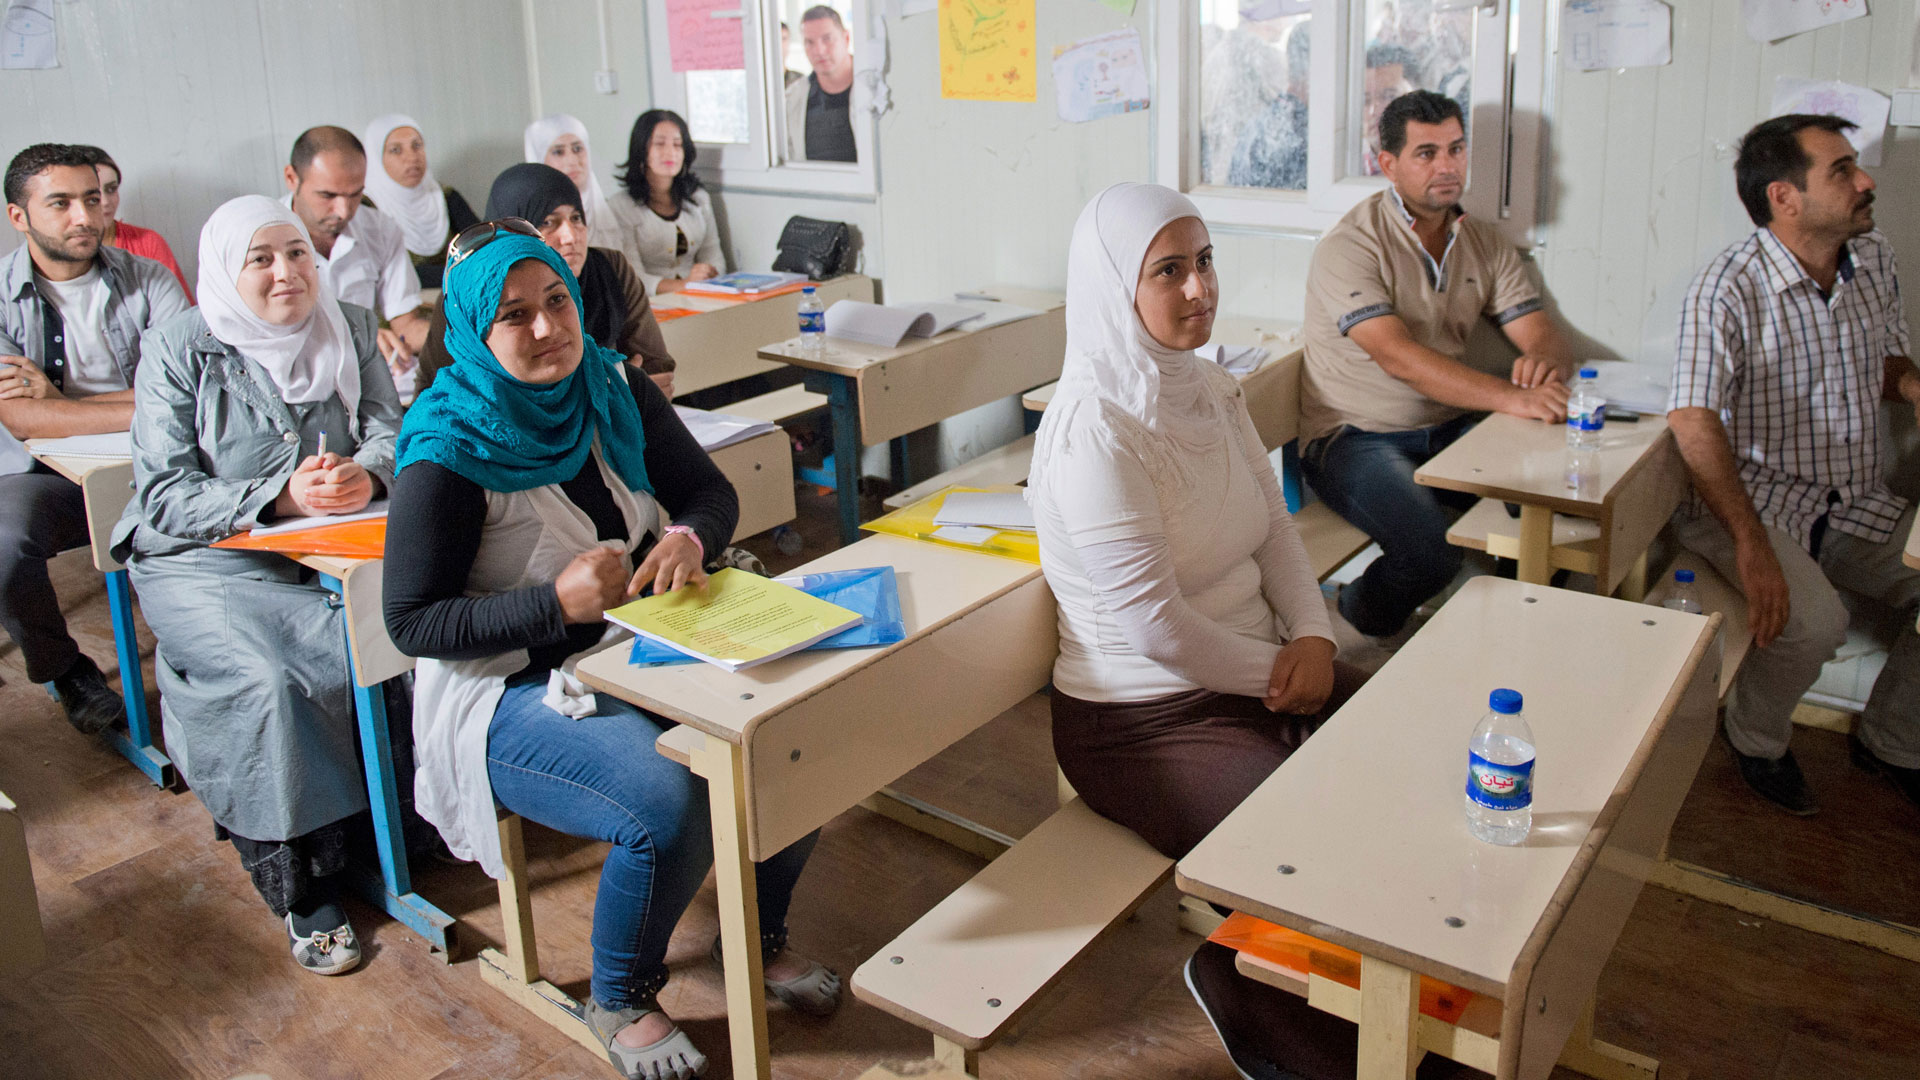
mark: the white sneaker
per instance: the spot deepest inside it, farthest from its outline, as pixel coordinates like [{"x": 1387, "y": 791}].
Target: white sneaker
[{"x": 333, "y": 952}]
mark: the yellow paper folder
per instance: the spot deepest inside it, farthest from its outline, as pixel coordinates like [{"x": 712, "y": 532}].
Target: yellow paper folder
[{"x": 737, "y": 621}]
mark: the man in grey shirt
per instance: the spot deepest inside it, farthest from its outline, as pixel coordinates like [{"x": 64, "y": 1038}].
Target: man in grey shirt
[
  {"x": 72, "y": 311},
  {"x": 819, "y": 107}
]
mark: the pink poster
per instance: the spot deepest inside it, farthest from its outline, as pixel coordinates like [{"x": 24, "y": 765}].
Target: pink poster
[{"x": 704, "y": 35}]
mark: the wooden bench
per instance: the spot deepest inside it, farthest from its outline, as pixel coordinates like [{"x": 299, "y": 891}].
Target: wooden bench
[
  {"x": 779, "y": 406},
  {"x": 972, "y": 966},
  {"x": 1003, "y": 465},
  {"x": 1488, "y": 527},
  {"x": 23, "y": 944}
]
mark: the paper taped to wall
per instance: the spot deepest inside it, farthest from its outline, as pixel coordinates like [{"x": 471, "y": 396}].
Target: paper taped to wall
[
  {"x": 1771, "y": 20},
  {"x": 1605, "y": 34},
  {"x": 1100, "y": 76},
  {"x": 1865, "y": 108}
]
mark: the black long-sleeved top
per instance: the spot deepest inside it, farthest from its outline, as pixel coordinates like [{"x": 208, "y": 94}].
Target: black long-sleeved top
[{"x": 434, "y": 525}]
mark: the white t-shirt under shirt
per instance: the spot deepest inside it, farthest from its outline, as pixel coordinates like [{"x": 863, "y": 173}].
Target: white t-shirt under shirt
[
  {"x": 1226, "y": 531},
  {"x": 82, "y": 304}
]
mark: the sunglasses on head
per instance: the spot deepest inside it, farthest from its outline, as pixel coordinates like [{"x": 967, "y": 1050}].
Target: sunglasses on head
[{"x": 474, "y": 237}]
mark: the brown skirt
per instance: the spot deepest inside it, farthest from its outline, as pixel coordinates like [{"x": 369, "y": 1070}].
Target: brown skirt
[{"x": 1172, "y": 768}]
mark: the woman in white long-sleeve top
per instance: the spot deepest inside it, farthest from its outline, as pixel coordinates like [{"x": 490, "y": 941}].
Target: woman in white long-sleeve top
[{"x": 231, "y": 402}]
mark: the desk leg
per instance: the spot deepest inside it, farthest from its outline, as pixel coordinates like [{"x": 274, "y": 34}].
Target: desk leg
[
  {"x": 1536, "y": 545},
  {"x": 1589, "y": 1056},
  {"x": 1389, "y": 1021},
  {"x": 1634, "y": 586},
  {"x": 843, "y": 402},
  {"x": 516, "y": 972},
  {"x": 1290, "y": 475},
  {"x": 724, "y": 768},
  {"x": 899, "y": 462},
  {"x": 137, "y": 744},
  {"x": 392, "y": 891}
]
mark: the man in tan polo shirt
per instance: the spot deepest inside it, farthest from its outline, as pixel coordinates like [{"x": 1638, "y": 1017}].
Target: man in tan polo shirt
[{"x": 1393, "y": 293}]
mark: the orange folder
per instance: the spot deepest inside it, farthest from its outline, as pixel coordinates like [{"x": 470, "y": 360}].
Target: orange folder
[
  {"x": 351, "y": 539},
  {"x": 1304, "y": 954}
]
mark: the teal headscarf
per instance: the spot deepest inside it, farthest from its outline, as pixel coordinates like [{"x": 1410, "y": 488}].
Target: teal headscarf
[{"x": 504, "y": 434}]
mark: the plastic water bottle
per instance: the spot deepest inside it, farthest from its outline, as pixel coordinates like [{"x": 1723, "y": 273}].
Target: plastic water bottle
[
  {"x": 1499, "y": 798},
  {"x": 813, "y": 322},
  {"x": 1684, "y": 596},
  {"x": 1583, "y": 471},
  {"x": 1586, "y": 410}
]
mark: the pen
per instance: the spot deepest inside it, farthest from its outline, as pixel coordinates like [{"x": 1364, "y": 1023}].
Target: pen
[{"x": 322, "y": 452}]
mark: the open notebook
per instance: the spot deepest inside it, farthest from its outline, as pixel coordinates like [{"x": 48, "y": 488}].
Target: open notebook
[{"x": 886, "y": 325}]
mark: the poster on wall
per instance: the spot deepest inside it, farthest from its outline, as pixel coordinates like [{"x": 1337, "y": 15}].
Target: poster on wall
[
  {"x": 1865, "y": 108},
  {"x": 1599, "y": 35},
  {"x": 1771, "y": 20},
  {"x": 26, "y": 35},
  {"x": 986, "y": 50},
  {"x": 1100, "y": 76},
  {"x": 705, "y": 35}
]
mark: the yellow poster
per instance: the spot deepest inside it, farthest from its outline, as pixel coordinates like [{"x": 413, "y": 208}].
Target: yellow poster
[{"x": 986, "y": 50}]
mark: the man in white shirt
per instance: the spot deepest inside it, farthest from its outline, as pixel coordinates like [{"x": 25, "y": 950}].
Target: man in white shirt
[
  {"x": 361, "y": 252},
  {"x": 71, "y": 315},
  {"x": 1790, "y": 340}
]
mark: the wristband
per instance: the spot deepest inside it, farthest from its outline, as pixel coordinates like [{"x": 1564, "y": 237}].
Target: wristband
[{"x": 687, "y": 531}]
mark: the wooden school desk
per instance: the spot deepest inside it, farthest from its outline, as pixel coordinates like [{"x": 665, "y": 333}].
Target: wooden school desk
[
  {"x": 372, "y": 659},
  {"x": 1912, "y": 555},
  {"x": 718, "y": 345},
  {"x": 881, "y": 395},
  {"x": 1359, "y": 838},
  {"x": 1511, "y": 460},
  {"x": 790, "y": 744},
  {"x": 107, "y": 484}
]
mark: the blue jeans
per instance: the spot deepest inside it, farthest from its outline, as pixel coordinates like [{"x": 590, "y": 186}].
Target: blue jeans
[
  {"x": 599, "y": 778},
  {"x": 1367, "y": 478}
]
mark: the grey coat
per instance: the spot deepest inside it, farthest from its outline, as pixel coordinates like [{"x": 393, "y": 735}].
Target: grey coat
[{"x": 255, "y": 696}]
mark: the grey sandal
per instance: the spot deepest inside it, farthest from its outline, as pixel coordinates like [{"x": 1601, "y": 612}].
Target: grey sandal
[
  {"x": 672, "y": 1058},
  {"x": 815, "y": 991}
]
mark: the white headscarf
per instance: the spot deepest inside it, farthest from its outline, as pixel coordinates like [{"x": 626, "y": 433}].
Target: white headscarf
[
  {"x": 1111, "y": 359},
  {"x": 309, "y": 361},
  {"x": 421, "y": 209},
  {"x": 539, "y": 138}
]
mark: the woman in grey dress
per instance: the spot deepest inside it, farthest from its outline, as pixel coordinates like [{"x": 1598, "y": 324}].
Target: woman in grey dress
[{"x": 231, "y": 403}]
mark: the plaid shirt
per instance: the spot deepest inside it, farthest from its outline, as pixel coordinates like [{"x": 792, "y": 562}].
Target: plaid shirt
[{"x": 1796, "y": 377}]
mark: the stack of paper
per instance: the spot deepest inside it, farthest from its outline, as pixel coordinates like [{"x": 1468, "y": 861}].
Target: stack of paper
[
  {"x": 886, "y": 325},
  {"x": 993, "y": 312},
  {"x": 737, "y": 621},
  {"x": 873, "y": 592},
  {"x": 1237, "y": 359},
  {"x": 745, "y": 283},
  {"x": 714, "y": 430},
  {"x": 110, "y": 445},
  {"x": 1640, "y": 388},
  {"x": 375, "y": 509},
  {"x": 986, "y": 510}
]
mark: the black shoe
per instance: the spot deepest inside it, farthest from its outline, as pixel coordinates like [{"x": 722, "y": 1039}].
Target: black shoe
[
  {"x": 1907, "y": 780},
  {"x": 1205, "y": 976},
  {"x": 1779, "y": 781},
  {"x": 92, "y": 706}
]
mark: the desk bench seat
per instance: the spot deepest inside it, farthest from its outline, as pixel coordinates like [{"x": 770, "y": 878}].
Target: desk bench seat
[
  {"x": 972, "y": 966},
  {"x": 1487, "y": 527},
  {"x": 1004, "y": 465},
  {"x": 778, "y": 406}
]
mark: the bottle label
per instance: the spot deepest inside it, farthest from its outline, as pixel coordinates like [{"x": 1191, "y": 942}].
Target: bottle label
[
  {"x": 1499, "y": 787},
  {"x": 1591, "y": 420},
  {"x": 813, "y": 322}
]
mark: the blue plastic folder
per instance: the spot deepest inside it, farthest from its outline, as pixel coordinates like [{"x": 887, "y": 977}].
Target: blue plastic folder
[{"x": 873, "y": 592}]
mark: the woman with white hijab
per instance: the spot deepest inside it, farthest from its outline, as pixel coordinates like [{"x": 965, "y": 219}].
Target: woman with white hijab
[
  {"x": 561, "y": 141},
  {"x": 232, "y": 402},
  {"x": 401, "y": 185},
  {"x": 1196, "y": 652}
]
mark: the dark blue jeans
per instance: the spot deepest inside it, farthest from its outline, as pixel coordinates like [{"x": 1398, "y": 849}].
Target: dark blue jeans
[
  {"x": 1367, "y": 478},
  {"x": 599, "y": 777}
]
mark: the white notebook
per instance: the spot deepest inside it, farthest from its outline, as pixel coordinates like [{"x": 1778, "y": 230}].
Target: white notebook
[
  {"x": 886, "y": 325},
  {"x": 987, "y": 510},
  {"x": 108, "y": 445},
  {"x": 713, "y": 430},
  {"x": 375, "y": 509}
]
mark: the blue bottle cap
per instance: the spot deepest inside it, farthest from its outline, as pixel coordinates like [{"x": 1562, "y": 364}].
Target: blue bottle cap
[
  {"x": 1589, "y": 373},
  {"x": 1504, "y": 701},
  {"x": 808, "y": 289},
  {"x": 1684, "y": 577}
]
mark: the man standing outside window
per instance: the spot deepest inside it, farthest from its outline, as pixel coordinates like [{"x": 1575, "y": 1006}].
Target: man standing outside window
[{"x": 819, "y": 107}]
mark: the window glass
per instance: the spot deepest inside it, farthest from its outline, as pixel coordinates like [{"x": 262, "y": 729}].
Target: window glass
[
  {"x": 1254, "y": 66},
  {"x": 1408, "y": 45},
  {"x": 820, "y": 47},
  {"x": 717, "y": 106}
]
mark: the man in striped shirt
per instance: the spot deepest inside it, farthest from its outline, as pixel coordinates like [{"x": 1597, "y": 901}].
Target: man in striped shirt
[{"x": 1789, "y": 341}]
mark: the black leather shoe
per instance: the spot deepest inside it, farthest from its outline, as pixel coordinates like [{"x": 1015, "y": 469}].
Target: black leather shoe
[
  {"x": 1907, "y": 780},
  {"x": 1779, "y": 781},
  {"x": 92, "y": 706}
]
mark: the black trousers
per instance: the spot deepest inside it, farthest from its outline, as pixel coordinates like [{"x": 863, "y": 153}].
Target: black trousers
[{"x": 41, "y": 515}]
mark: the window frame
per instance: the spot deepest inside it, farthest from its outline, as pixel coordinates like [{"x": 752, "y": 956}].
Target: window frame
[
  {"x": 1505, "y": 127},
  {"x": 759, "y": 164}
]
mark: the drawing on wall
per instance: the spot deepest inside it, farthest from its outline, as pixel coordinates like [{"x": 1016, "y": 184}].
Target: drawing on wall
[
  {"x": 705, "y": 35},
  {"x": 1771, "y": 20},
  {"x": 1603, "y": 34},
  {"x": 1865, "y": 108},
  {"x": 26, "y": 37},
  {"x": 1100, "y": 76},
  {"x": 986, "y": 50}
]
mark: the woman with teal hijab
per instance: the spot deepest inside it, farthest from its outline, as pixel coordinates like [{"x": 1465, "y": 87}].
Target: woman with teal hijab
[{"x": 534, "y": 487}]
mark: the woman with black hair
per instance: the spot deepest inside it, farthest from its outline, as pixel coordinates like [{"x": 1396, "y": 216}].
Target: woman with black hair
[{"x": 661, "y": 201}]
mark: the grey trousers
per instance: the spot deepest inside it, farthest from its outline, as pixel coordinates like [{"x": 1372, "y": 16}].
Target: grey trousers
[
  {"x": 41, "y": 515},
  {"x": 1771, "y": 681}
]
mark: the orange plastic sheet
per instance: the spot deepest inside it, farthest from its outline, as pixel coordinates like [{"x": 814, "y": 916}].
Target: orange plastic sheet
[
  {"x": 352, "y": 540},
  {"x": 1305, "y": 955}
]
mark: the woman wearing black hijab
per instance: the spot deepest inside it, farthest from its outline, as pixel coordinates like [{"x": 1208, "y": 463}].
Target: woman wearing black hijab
[{"x": 614, "y": 302}]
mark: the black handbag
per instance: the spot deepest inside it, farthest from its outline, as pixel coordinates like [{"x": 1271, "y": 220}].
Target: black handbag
[{"x": 818, "y": 249}]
